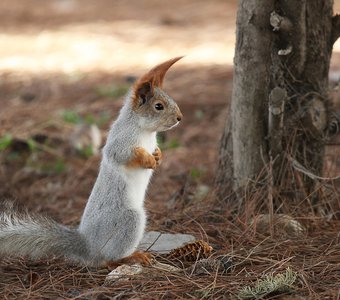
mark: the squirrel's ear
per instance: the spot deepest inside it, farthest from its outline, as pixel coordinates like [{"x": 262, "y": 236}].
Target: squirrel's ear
[
  {"x": 156, "y": 75},
  {"x": 144, "y": 93}
]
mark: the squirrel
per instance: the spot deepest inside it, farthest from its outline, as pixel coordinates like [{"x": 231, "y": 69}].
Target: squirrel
[{"x": 114, "y": 218}]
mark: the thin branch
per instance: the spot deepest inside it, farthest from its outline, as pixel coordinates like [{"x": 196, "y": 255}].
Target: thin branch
[{"x": 299, "y": 167}]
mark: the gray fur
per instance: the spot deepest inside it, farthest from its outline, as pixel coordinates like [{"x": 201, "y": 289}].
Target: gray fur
[
  {"x": 22, "y": 234},
  {"x": 114, "y": 218}
]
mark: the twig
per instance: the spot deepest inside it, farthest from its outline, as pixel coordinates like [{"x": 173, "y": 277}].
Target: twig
[
  {"x": 270, "y": 197},
  {"x": 154, "y": 242},
  {"x": 297, "y": 166}
]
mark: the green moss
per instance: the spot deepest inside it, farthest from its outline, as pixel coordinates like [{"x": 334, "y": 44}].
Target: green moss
[
  {"x": 5, "y": 141},
  {"x": 279, "y": 283}
]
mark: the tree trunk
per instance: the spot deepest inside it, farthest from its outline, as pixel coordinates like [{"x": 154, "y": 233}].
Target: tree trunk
[{"x": 280, "y": 107}]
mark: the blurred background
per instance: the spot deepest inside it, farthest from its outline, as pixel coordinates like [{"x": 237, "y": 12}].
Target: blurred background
[
  {"x": 85, "y": 36},
  {"x": 68, "y": 36}
]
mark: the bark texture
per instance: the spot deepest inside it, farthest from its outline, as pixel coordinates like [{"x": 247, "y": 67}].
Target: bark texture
[
  {"x": 243, "y": 143},
  {"x": 280, "y": 105}
]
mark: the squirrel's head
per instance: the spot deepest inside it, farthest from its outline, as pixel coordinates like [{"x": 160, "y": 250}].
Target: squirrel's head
[{"x": 156, "y": 110}]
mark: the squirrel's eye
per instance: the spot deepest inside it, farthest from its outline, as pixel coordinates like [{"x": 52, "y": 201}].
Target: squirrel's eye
[{"x": 159, "y": 106}]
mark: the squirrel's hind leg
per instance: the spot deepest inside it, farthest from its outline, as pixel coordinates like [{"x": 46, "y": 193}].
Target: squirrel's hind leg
[{"x": 143, "y": 258}]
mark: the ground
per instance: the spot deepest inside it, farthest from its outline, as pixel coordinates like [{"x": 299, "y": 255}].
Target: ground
[{"x": 66, "y": 63}]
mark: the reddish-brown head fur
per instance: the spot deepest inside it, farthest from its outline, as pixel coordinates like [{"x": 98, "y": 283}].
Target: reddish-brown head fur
[{"x": 154, "y": 78}]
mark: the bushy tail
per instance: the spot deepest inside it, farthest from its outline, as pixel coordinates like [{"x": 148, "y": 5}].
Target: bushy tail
[{"x": 23, "y": 234}]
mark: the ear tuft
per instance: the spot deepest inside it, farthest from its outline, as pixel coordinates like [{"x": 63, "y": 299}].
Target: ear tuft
[{"x": 156, "y": 75}]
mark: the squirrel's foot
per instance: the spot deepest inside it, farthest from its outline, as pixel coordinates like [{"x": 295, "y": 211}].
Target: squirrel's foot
[
  {"x": 142, "y": 159},
  {"x": 143, "y": 258},
  {"x": 157, "y": 154}
]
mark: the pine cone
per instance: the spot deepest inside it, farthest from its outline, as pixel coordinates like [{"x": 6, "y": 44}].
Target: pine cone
[{"x": 191, "y": 252}]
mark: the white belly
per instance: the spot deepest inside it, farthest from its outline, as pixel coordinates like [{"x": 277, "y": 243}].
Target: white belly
[
  {"x": 137, "y": 183},
  {"x": 138, "y": 178}
]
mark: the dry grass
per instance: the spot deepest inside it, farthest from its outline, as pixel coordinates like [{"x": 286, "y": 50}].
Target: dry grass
[{"x": 314, "y": 258}]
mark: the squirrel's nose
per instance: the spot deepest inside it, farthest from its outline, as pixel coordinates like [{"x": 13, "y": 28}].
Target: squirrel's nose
[{"x": 179, "y": 116}]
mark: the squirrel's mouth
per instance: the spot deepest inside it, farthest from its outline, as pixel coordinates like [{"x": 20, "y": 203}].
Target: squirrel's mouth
[
  {"x": 172, "y": 126},
  {"x": 168, "y": 127}
]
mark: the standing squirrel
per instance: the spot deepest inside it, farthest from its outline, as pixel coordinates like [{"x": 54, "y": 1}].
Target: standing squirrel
[{"x": 114, "y": 219}]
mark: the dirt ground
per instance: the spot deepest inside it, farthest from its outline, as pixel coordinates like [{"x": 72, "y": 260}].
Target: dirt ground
[{"x": 67, "y": 64}]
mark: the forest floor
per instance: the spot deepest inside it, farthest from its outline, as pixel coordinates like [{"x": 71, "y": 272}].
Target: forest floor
[{"x": 67, "y": 64}]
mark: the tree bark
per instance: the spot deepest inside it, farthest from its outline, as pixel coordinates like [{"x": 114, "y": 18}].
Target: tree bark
[
  {"x": 282, "y": 58},
  {"x": 243, "y": 143}
]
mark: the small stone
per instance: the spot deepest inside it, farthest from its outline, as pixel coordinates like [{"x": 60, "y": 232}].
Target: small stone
[
  {"x": 123, "y": 273},
  {"x": 163, "y": 243}
]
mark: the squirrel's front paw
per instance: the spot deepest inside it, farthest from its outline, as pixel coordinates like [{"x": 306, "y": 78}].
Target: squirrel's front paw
[
  {"x": 142, "y": 159},
  {"x": 157, "y": 154}
]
